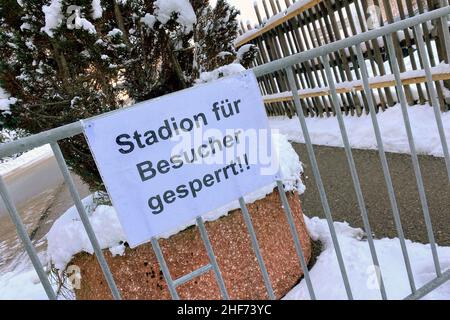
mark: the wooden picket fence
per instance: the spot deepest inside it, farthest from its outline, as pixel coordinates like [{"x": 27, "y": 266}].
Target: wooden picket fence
[{"x": 291, "y": 27}]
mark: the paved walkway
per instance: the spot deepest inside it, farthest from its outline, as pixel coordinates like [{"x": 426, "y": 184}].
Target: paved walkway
[{"x": 342, "y": 198}]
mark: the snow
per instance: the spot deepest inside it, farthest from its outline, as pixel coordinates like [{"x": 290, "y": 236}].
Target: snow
[
  {"x": 223, "y": 54},
  {"x": 243, "y": 50},
  {"x": 74, "y": 101},
  {"x": 23, "y": 284},
  {"x": 149, "y": 20},
  {"x": 220, "y": 72},
  {"x": 325, "y": 131},
  {"x": 83, "y": 23},
  {"x": 115, "y": 32},
  {"x": 117, "y": 250},
  {"x": 97, "y": 10},
  {"x": 27, "y": 159},
  {"x": 326, "y": 276},
  {"x": 53, "y": 16},
  {"x": 5, "y": 100},
  {"x": 68, "y": 237},
  {"x": 185, "y": 13}
]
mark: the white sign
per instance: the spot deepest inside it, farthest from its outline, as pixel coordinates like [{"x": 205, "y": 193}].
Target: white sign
[{"x": 169, "y": 160}]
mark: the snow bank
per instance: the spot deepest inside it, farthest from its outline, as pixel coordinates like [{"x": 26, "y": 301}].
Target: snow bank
[
  {"x": 22, "y": 282},
  {"x": 325, "y": 131},
  {"x": 27, "y": 159},
  {"x": 97, "y": 10},
  {"x": 115, "y": 32},
  {"x": 21, "y": 285},
  {"x": 327, "y": 280},
  {"x": 67, "y": 236},
  {"x": 54, "y": 17},
  {"x": 243, "y": 51},
  {"x": 149, "y": 20}
]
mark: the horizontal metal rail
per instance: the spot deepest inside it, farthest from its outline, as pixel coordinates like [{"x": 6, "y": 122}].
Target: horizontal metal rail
[
  {"x": 188, "y": 277},
  {"x": 429, "y": 286}
]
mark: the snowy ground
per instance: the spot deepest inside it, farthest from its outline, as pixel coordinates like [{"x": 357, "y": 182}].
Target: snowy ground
[
  {"x": 23, "y": 283},
  {"x": 325, "y": 131},
  {"x": 327, "y": 280}
]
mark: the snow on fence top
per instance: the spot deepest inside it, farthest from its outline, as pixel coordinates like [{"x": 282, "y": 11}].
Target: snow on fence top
[{"x": 293, "y": 10}]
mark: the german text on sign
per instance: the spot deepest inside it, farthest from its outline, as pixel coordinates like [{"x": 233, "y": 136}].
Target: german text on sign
[{"x": 166, "y": 161}]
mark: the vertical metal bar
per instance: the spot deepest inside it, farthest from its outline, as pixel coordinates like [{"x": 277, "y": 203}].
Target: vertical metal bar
[
  {"x": 351, "y": 163},
  {"x": 434, "y": 99},
  {"x": 388, "y": 180},
  {"x": 251, "y": 231},
  {"x": 23, "y": 235},
  {"x": 298, "y": 246},
  {"x": 85, "y": 220},
  {"x": 319, "y": 183},
  {"x": 412, "y": 147},
  {"x": 212, "y": 258},
  {"x": 164, "y": 269}
]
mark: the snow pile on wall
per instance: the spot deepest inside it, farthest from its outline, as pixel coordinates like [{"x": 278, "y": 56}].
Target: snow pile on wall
[
  {"x": 67, "y": 236},
  {"x": 326, "y": 276},
  {"x": 21, "y": 284},
  {"x": 325, "y": 131}
]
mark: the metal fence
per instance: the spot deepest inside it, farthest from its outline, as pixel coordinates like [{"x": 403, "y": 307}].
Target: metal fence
[
  {"x": 306, "y": 25},
  {"x": 284, "y": 68}
]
